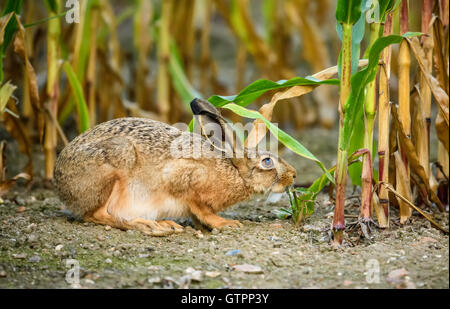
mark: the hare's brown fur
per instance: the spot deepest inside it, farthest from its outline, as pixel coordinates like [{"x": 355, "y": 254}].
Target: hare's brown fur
[{"x": 121, "y": 173}]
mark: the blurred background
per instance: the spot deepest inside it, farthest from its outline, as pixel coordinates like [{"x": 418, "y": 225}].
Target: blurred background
[{"x": 149, "y": 58}]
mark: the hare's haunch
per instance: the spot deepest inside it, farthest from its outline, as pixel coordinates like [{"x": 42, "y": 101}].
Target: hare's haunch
[{"x": 129, "y": 173}]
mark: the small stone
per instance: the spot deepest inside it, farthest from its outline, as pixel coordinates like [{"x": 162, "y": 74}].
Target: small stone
[
  {"x": 233, "y": 252},
  {"x": 196, "y": 276},
  {"x": 31, "y": 238},
  {"x": 348, "y": 282},
  {"x": 189, "y": 270},
  {"x": 100, "y": 238},
  {"x": 35, "y": 259},
  {"x": 396, "y": 275},
  {"x": 198, "y": 234},
  {"x": 154, "y": 268},
  {"x": 19, "y": 256},
  {"x": 143, "y": 255},
  {"x": 30, "y": 227},
  {"x": 215, "y": 231},
  {"x": 275, "y": 225},
  {"x": 59, "y": 247},
  {"x": 21, "y": 209},
  {"x": 212, "y": 274},
  {"x": 311, "y": 228},
  {"x": 249, "y": 269},
  {"x": 2, "y": 274},
  {"x": 107, "y": 228},
  {"x": 108, "y": 261},
  {"x": 89, "y": 281},
  {"x": 154, "y": 280}
]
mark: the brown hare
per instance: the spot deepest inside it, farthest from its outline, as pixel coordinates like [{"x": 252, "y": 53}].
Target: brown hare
[{"x": 128, "y": 173}]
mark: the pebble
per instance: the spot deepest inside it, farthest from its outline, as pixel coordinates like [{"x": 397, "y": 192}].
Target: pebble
[
  {"x": 108, "y": 261},
  {"x": 154, "y": 280},
  {"x": 396, "y": 275},
  {"x": 21, "y": 209},
  {"x": 89, "y": 281},
  {"x": 212, "y": 274},
  {"x": 275, "y": 225},
  {"x": 35, "y": 259},
  {"x": 215, "y": 231},
  {"x": 347, "y": 282},
  {"x": 2, "y": 274},
  {"x": 19, "y": 256},
  {"x": 59, "y": 247},
  {"x": 233, "y": 252},
  {"x": 249, "y": 269},
  {"x": 30, "y": 227},
  {"x": 107, "y": 228},
  {"x": 196, "y": 276},
  {"x": 198, "y": 234}
]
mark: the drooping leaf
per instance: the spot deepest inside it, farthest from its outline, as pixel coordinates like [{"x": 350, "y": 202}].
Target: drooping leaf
[
  {"x": 258, "y": 88},
  {"x": 82, "y": 108},
  {"x": 182, "y": 85}
]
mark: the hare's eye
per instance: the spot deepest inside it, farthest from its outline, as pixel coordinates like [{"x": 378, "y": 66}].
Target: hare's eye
[{"x": 267, "y": 163}]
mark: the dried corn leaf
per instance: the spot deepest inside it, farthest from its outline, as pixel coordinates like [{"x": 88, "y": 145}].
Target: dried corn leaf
[
  {"x": 402, "y": 185},
  {"x": 259, "y": 129},
  {"x": 440, "y": 60},
  {"x": 17, "y": 130},
  {"x": 20, "y": 49},
  {"x": 439, "y": 94},
  {"x": 408, "y": 202},
  {"x": 442, "y": 130},
  {"x": 413, "y": 160}
]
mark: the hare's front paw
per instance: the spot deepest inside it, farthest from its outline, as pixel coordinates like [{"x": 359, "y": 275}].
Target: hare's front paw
[{"x": 226, "y": 223}]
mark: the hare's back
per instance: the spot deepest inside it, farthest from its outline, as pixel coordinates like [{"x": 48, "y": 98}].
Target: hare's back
[{"x": 140, "y": 131}]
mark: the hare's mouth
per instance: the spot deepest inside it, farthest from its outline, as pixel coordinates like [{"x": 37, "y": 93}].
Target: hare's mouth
[
  {"x": 278, "y": 188},
  {"x": 280, "y": 185}
]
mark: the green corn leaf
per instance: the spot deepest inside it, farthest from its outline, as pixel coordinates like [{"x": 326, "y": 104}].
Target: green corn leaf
[
  {"x": 357, "y": 36},
  {"x": 348, "y": 11},
  {"x": 258, "y": 88},
  {"x": 282, "y": 136},
  {"x": 180, "y": 82},
  {"x": 82, "y": 108}
]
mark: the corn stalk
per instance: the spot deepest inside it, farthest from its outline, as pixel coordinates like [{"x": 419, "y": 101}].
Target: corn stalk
[{"x": 404, "y": 63}]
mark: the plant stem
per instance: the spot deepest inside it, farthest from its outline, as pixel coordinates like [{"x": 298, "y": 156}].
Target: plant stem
[
  {"x": 404, "y": 63},
  {"x": 163, "y": 60},
  {"x": 383, "y": 128},
  {"x": 50, "y": 142},
  {"x": 341, "y": 166},
  {"x": 369, "y": 117}
]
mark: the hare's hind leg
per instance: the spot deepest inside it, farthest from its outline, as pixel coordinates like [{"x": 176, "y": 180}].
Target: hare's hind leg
[{"x": 118, "y": 198}]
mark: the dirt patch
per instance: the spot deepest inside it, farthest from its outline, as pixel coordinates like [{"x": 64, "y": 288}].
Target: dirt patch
[{"x": 35, "y": 244}]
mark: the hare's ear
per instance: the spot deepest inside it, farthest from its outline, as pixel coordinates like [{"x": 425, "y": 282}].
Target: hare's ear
[{"x": 215, "y": 129}]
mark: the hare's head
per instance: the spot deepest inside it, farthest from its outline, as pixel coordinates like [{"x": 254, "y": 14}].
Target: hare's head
[{"x": 261, "y": 170}]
